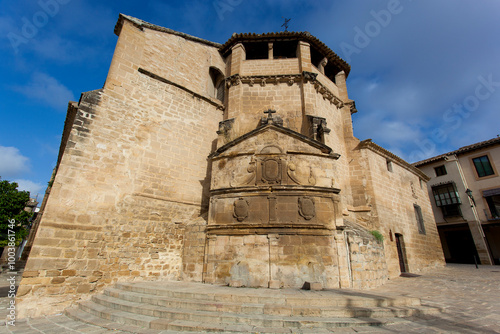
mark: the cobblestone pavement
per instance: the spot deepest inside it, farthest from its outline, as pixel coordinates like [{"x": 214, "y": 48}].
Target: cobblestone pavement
[{"x": 470, "y": 299}]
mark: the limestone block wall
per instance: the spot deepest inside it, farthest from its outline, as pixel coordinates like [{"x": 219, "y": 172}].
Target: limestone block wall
[
  {"x": 233, "y": 257},
  {"x": 360, "y": 193},
  {"x": 175, "y": 57},
  {"x": 130, "y": 185},
  {"x": 324, "y": 80},
  {"x": 322, "y": 107},
  {"x": 270, "y": 66},
  {"x": 194, "y": 249},
  {"x": 394, "y": 194},
  {"x": 368, "y": 267},
  {"x": 257, "y": 260},
  {"x": 282, "y": 97}
]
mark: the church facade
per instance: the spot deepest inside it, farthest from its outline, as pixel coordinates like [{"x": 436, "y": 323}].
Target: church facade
[{"x": 231, "y": 164}]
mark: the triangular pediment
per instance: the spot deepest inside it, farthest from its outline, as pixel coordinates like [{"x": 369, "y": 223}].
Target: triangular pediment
[{"x": 271, "y": 139}]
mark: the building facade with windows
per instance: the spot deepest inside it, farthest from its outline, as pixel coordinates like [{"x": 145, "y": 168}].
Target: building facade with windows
[
  {"x": 230, "y": 164},
  {"x": 465, "y": 195}
]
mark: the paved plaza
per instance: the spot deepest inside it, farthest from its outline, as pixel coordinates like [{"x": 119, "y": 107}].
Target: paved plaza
[{"x": 469, "y": 297}]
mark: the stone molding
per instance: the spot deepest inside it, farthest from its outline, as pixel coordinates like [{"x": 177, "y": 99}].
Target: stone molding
[
  {"x": 140, "y": 24},
  {"x": 289, "y": 79},
  {"x": 166, "y": 199},
  {"x": 368, "y": 144},
  {"x": 217, "y": 104},
  {"x": 322, "y": 147},
  {"x": 334, "y": 156},
  {"x": 352, "y": 106},
  {"x": 306, "y": 190},
  {"x": 288, "y": 229}
]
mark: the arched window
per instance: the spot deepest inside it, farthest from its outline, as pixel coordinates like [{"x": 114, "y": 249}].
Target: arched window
[{"x": 216, "y": 87}]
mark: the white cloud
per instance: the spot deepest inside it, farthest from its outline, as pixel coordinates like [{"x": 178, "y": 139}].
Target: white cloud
[
  {"x": 57, "y": 48},
  {"x": 33, "y": 187},
  {"x": 12, "y": 162},
  {"x": 421, "y": 64},
  {"x": 48, "y": 90}
]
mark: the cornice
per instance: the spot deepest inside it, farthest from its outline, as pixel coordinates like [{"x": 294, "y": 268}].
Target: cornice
[
  {"x": 368, "y": 144},
  {"x": 290, "y": 79},
  {"x": 140, "y": 24},
  {"x": 289, "y": 35}
]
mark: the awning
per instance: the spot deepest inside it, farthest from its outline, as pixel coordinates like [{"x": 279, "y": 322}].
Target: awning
[{"x": 491, "y": 192}]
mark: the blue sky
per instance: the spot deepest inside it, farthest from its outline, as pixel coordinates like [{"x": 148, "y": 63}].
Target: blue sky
[{"x": 425, "y": 74}]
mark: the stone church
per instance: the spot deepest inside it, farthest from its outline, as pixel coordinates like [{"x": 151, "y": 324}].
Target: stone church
[{"x": 230, "y": 164}]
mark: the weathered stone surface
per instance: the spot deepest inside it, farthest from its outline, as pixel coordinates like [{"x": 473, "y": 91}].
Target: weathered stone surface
[
  {"x": 172, "y": 171},
  {"x": 312, "y": 286}
]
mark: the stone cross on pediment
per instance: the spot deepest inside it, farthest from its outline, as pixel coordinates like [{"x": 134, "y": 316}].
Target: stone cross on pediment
[
  {"x": 270, "y": 113},
  {"x": 270, "y": 119}
]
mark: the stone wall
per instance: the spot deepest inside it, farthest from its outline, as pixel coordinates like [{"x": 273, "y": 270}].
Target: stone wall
[
  {"x": 133, "y": 177},
  {"x": 368, "y": 267},
  {"x": 394, "y": 189},
  {"x": 148, "y": 189},
  {"x": 263, "y": 260}
]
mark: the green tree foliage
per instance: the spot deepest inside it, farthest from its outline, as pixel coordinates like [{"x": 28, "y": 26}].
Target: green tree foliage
[{"x": 12, "y": 204}]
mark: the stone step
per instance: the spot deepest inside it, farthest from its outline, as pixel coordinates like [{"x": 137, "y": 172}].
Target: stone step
[
  {"x": 190, "y": 327},
  {"x": 261, "y": 319},
  {"x": 116, "y": 315},
  {"x": 145, "y": 307},
  {"x": 268, "y": 309},
  {"x": 238, "y": 323},
  {"x": 77, "y": 313},
  {"x": 289, "y": 297}
]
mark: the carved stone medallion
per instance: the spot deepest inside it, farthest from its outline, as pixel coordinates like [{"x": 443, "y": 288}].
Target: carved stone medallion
[
  {"x": 271, "y": 170},
  {"x": 240, "y": 210},
  {"x": 306, "y": 208}
]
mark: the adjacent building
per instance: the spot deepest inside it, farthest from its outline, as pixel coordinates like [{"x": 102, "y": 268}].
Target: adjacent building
[
  {"x": 229, "y": 164},
  {"x": 465, "y": 195}
]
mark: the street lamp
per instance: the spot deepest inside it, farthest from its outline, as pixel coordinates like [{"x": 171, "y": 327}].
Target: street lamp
[{"x": 469, "y": 193}]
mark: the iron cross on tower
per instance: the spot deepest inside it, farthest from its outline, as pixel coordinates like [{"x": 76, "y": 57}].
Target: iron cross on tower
[{"x": 286, "y": 23}]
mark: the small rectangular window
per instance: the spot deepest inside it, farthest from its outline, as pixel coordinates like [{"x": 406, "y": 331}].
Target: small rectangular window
[
  {"x": 420, "y": 219},
  {"x": 389, "y": 165},
  {"x": 440, "y": 170},
  {"x": 483, "y": 166}
]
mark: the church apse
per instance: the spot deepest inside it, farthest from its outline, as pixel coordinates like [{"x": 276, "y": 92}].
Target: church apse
[{"x": 273, "y": 210}]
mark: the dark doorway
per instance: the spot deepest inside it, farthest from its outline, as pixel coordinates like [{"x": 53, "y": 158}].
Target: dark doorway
[
  {"x": 492, "y": 232},
  {"x": 458, "y": 245},
  {"x": 401, "y": 253}
]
